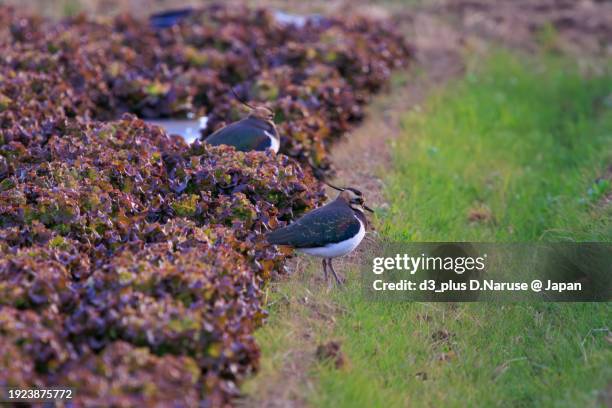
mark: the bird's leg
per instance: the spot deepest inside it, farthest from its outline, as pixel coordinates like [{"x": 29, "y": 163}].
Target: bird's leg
[
  {"x": 338, "y": 280},
  {"x": 325, "y": 269}
]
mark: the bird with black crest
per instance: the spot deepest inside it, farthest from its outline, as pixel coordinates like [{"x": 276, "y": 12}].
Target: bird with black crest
[
  {"x": 328, "y": 232},
  {"x": 256, "y": 132}
]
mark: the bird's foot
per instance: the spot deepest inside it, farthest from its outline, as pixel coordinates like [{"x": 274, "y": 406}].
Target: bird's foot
[
  {"x": 325, "y": 273},
  {"x": 340, "y": 280}
]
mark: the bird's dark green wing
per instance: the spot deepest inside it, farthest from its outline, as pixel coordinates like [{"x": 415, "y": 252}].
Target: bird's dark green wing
[
  {"x": 332, "y": 223},
  {"x": 243, "y": 135}
]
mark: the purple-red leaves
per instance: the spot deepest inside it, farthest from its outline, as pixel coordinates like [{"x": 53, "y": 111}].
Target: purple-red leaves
[{"x": 132, "y": 263}]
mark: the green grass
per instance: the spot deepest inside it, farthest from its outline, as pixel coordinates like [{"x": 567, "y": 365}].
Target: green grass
[
  {"x": 519, "y": 142},
  {"x": 523, "y": 140}
]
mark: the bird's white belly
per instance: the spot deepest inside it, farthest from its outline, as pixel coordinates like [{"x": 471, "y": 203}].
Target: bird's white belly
[
  {"x": 274, "y": 142},
  {"x": 339, "y": 248}
]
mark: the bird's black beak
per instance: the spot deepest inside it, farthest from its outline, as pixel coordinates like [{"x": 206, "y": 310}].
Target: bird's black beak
[{"x": 365, "y": 207}]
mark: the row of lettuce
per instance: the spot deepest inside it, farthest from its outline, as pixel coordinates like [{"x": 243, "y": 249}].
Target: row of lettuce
[
  {"x": 132, "y": 263},
  {"x": 316, "y": 77}
]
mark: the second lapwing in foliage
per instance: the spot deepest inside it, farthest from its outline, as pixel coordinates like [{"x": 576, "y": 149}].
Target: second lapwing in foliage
[
  {"x": 255, "y": 132},
  {"x": 327, "y": 232}
]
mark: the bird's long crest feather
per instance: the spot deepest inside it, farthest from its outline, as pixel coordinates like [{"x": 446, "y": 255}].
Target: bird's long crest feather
[
  {"x": 334, "y": 187},
  {"x": 241, "y": 100}
]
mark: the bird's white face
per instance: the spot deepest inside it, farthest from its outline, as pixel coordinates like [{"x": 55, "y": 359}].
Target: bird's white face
[
  {"x": 354, "y": 198},
  {"x": 263, "y": 113}
]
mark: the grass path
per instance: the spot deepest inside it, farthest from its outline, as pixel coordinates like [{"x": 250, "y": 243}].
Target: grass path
[
  {"x": 507, "y": 142},
  {"x": 522, "y": 143}
]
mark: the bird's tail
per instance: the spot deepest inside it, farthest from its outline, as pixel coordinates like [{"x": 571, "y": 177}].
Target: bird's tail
[{"x": 278, "y": 237}]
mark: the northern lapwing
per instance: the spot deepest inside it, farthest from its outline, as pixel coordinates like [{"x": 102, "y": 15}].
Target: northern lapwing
[
  {"x": 255, "y": 132},
  {"x": 327, "y": 232}
]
